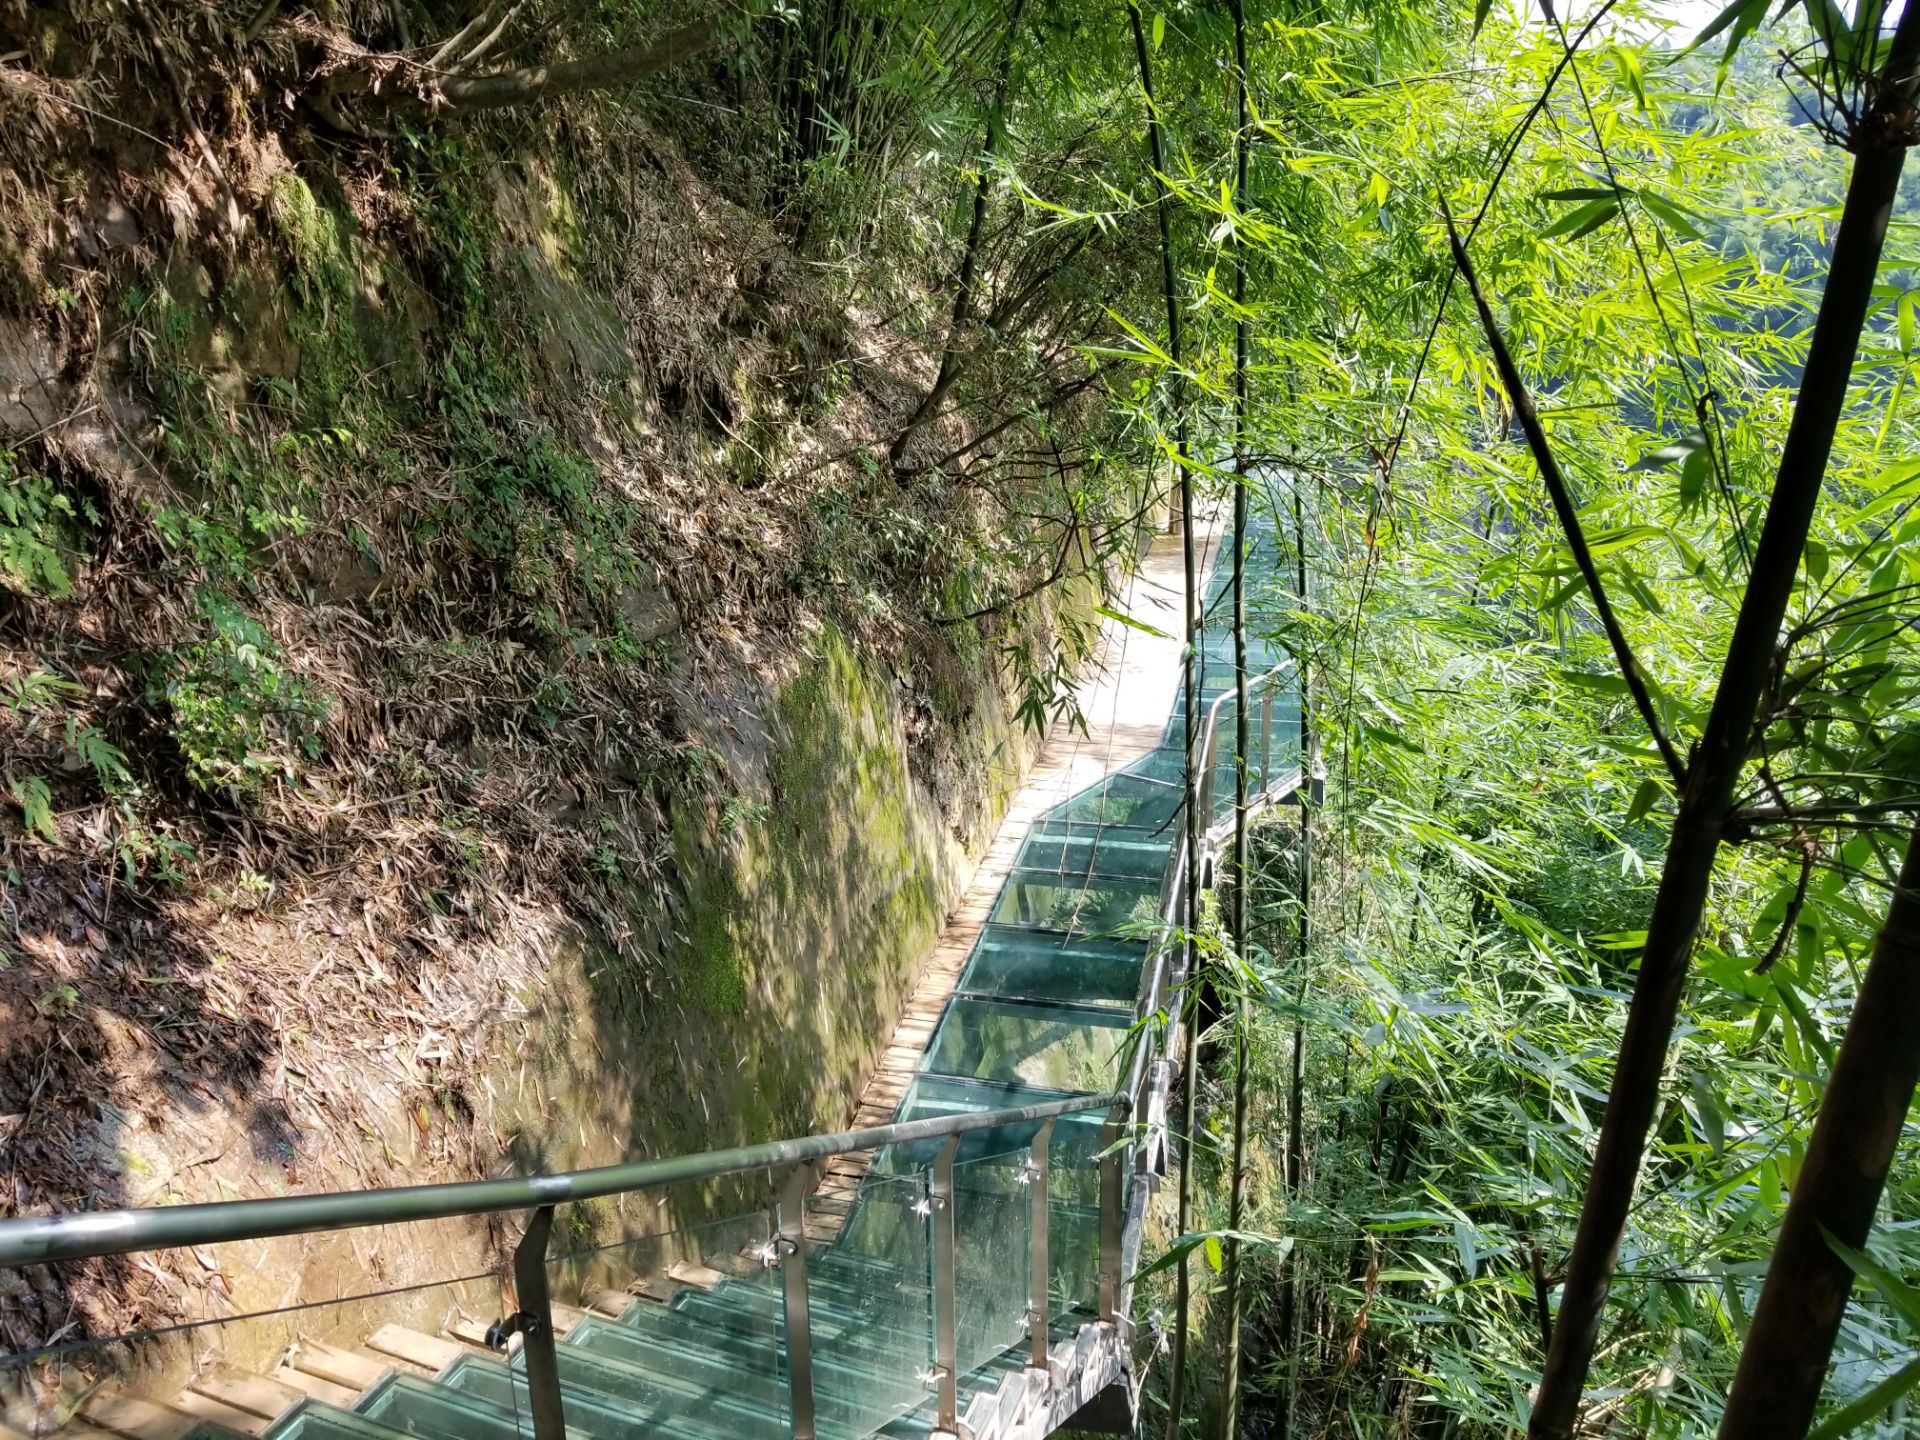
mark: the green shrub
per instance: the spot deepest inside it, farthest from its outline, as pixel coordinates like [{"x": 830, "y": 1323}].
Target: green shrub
[
  {"x": 235, "y": 711},
  {"x": 39, "y": 525}
]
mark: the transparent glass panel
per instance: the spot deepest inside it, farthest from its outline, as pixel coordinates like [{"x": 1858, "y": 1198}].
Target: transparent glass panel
[
  {"x": 870, "y": 1306},
  {"x": 1125, "y": 799},
  {"x": 1058, "y": 1047},
  {"x": 1043, "y": 900},
  {"x": 992, "y": 1249},
  {"x": 1088, "y": 849},
  {"x": 1073, "y": 1242},
  {"x": 699, "y": 1349},
  {"x": 1039, "y": 965}
]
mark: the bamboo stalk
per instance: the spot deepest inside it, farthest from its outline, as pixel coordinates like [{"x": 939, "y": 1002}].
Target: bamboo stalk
[
  {"x": 1297, "y": 1080},
  {"x": 1190, "y": 897},
  {"x": 1784, "y": 1361},
  {"x": 1700, "y": 821},
  {"x": 1236, "y": 1197}
]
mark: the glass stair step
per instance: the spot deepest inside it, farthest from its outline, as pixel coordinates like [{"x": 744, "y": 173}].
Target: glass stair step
[
  {"x": 844, "y": 1360},
  {"x": 1036, "y": 965},
  {"x": 479, "y": 1398},
  {"x": 745, "y": 1336},
  {"x": 1086, "y": 850},
  {"x": 1125, "y": 799},
  {"x": 1076, "y": 1138},
  {"x": 313, "y": 1420},
  {"x": 754, "y": 1311},
  {"x": 659, "y": 1400},
  {"x": 1053, "y": 1046},
  {"x": 596, "y": 1415},
  {"x": 1043, "y": 900}
]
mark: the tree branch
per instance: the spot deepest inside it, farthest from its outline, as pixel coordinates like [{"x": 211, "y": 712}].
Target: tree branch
[
  {"x": 533, "y": 82},
  {"x": 1523, "y": 410},
  {"x": 1783, "y": 1364}
]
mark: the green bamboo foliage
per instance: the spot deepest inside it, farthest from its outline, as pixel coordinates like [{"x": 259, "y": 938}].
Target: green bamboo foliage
[{"x": 1651, "y": 241}]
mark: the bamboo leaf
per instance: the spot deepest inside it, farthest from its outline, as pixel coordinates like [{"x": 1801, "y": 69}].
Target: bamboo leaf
[
  {"x": 1693, "y": 476},
  {"x": 1193, "y": 1240},
  {"x": 1583, "y": 220},
  {"x": 1895, "y": 1291},
  {"x": 1111, "y": 613},
  {"x": 1852, "y": 1416},
  {"x": 1644, "y": 799},
  {"x": 1742, "y": 15},
  {"x": 1669, "y": 454},
  {"x": 1671, "y": 215}
]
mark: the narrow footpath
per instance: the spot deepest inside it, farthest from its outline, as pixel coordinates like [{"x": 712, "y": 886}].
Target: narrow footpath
[{"x": 1126, "y": 696}]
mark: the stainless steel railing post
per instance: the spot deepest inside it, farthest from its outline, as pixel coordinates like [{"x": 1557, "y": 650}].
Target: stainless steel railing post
[
  {"x": 536, "y": 1328},
  {"x": 1266, "y": 735},
  {"x": 1039, "y": 1320},
  {"x": 946, "y": 1337},
  {"x": 790, "y": 1254},
  {"x": 1113, "y": 1218}
]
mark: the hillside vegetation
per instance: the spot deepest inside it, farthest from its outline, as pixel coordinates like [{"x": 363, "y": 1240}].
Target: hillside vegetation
[
  {"x": 537, "y": 534},
  {"x": 474, "y": 672}
]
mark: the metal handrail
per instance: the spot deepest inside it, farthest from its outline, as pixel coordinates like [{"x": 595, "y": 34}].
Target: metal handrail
[
  {"x": 1176, "y": 872},
  {"x": 37, "y": 1240}
]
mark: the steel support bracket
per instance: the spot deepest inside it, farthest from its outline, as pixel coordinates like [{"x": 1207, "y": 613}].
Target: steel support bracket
[
  {"x": 946, "y": 1338},
  {"x": 790, "y": 1248},
  {"x": 536, "y": 1328}
]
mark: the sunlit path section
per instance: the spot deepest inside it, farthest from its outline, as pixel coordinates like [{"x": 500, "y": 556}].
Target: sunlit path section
[{"x": 1126, "y": 696}]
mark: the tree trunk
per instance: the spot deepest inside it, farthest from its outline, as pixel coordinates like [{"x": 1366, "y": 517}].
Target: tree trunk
[
  {"x": 1236, "y": 1195},
  {"x": 1699, "y": 823},
  {"x": 566, "y": 77},
  {"x": 1784, "y": 1361},
  {"x": 963, "y": 294},
  {"x": 1190, "y": 896}
]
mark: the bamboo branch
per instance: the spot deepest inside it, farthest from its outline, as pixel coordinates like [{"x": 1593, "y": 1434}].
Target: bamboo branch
[
  {"x": 1522, "y": 402},
  {"x": 1237, "y": 920},
  {"x": 462, "y": 94},
  {"x": 967, "y": 282}
]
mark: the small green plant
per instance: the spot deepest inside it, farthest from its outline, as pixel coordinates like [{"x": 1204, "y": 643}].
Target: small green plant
[
  {"x": 143, "y": 852},
  {"x": 35, "y": 799},
  {"x": 741, "y": 812},
  {"x": 237, "y": 713},
  {"x": 39, "y": 525}
]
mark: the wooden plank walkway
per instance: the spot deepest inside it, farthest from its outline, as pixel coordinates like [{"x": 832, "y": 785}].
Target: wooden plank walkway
[{"x": 1126, "y": 698}]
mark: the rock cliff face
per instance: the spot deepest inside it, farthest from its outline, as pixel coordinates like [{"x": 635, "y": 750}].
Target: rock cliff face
[{"x": 471, "y": 698}]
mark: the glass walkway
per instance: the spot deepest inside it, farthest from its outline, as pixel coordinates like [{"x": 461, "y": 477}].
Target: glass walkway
[{"x": 1050, "y": 1006}]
